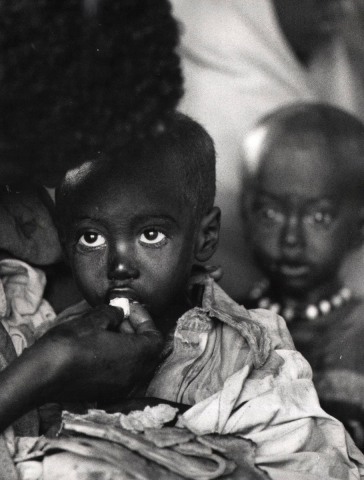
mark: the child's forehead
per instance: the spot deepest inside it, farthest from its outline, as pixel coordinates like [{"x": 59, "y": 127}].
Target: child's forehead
[
  {"x": 132, "y": 171},
  {"x": 297, "y": 140},
  {"x": 135, "y": 187},
  {"x": 300, "y": 152},
  {"x": 306, "y": 165}
]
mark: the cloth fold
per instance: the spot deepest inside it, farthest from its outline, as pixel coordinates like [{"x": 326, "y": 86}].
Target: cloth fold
[
  {"x": 276, "y": 406},
  {"x": 25, "y": 314}
]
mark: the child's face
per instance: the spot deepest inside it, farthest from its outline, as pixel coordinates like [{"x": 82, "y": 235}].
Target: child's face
[
  {"x": 301, "y": 222},
  {"x": 133, "y": 236}
]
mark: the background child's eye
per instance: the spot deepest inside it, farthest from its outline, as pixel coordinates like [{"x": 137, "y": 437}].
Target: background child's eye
[
  {"x": 270, "y": 214},
  {"x": 320, "y": 218},
  {"x": 92, "y": 239},
  {"x": 152, "y": 237}
]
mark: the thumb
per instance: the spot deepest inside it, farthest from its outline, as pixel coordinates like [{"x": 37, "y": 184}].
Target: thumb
[{"x": 140, "y": 319}]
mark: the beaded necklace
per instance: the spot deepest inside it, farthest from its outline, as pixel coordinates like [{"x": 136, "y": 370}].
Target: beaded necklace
[{"x": 310, "y": 311}]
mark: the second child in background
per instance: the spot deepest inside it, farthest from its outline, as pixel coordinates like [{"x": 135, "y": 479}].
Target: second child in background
[{"x": 304, "y": 205}]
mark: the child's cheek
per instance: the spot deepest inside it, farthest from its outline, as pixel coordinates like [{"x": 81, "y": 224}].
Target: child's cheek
[
  {"x": 266, "y": 240},
  {"x": 91, "y": 278}
]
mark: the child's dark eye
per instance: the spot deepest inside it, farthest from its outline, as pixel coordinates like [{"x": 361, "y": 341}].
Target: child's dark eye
[
  {"x": 270, "y": 214},
  {"x": 91, "y": 239},
  {"x": 320, "y": 218},
  {"x": 153, "y": 237}
]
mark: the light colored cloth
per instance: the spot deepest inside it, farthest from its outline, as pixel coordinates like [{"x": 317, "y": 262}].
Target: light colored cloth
[
  {"x": 212, "y": 367},
  {"x": 25, "y": 314},
  {"x": 238, "y": 67}
]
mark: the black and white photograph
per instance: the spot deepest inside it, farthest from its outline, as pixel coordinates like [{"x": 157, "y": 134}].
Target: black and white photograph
[{"x": 181, "y": 239}]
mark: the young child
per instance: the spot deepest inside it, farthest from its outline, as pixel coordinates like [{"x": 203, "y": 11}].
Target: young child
[
  {"x": 304, "y": 206},
  {"x": 133, "y": 225}
]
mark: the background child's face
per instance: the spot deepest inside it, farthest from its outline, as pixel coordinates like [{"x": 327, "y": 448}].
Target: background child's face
[
  {"x": 301, "y": 223},
  {"x": 133, "y": 234}
]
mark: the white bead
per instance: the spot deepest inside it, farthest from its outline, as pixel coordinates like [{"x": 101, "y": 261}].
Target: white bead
[
  {"x": 275, "y": 307},
  {"x": 264, "y": 303},
  {"x": 311, "y": 312},
  {"x": 345, "y": 293},
  {"x": 337, "y": 301},
  {"x": 325, "y": 306},
  {"x": 255, "y": 293},
  {"x": 288, "y": 314}
]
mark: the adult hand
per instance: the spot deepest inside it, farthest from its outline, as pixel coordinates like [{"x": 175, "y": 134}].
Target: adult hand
[{"x": 85, "y": 358}]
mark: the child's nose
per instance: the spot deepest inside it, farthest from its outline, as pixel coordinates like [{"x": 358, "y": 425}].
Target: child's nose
[
  {"x": 292, "y": 234},
  {"x": 121, "y": 263}
]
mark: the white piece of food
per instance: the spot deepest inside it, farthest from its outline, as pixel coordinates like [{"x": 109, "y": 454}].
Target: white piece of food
[{"x": 122, "y": 303}]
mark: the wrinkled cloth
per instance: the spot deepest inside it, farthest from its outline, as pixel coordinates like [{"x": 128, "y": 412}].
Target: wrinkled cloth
[
  {"x": 25, "y": 314},
  {"x": 28, "y": 424},
  {"x": 239, "y": 67},
  {"x": 276, "y": 406}
]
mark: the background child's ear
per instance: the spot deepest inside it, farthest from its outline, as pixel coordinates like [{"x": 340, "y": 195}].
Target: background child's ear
[{"x": 208, "y": 235}]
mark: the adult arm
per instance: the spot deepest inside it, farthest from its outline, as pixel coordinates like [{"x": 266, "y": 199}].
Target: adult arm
[{"x": 86, "y": 358}]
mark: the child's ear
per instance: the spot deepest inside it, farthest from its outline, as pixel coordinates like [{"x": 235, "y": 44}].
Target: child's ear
[{"x": 208, "y": 235}]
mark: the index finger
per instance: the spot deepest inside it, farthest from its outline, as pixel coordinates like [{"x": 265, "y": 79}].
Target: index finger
[{"x": 141, "y": 320}]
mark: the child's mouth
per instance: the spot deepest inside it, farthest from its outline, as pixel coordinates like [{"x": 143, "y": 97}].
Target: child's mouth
[
  {"x": 293, "y": 270},
  {"x": 122, "y": 292}
]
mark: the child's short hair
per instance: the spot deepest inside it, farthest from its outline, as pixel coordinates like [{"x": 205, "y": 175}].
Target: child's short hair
[
  {"x": 336, "y": 130},
  {"x": 181, "y": 141}
]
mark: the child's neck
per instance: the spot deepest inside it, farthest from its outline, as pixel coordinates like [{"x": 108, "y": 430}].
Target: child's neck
[
  {"x": 303, "y": 305},
  {"x": 169, "y": 321}
]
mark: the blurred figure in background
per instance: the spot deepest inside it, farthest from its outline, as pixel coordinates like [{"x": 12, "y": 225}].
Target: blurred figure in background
[
  {"x": 243, "y": 59},
  {"x": 304, "y": 210}
]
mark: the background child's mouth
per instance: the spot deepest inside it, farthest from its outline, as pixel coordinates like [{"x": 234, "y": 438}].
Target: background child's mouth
[{"x": 293, "y": 270}]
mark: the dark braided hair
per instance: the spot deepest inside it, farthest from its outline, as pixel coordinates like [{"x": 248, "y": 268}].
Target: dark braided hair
[{"x": 77, "y": 73}]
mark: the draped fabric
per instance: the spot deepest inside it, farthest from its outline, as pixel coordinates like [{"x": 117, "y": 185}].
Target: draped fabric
[{"x": 212, "y": 368}]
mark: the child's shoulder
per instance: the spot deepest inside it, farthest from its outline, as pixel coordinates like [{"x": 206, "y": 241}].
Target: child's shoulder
[
  {"x": 219, "y": 304},
  {"x": 275, "y": 325}
]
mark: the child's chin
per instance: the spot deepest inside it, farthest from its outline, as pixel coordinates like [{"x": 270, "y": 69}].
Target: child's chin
[{"x": 294, "y": 285}]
